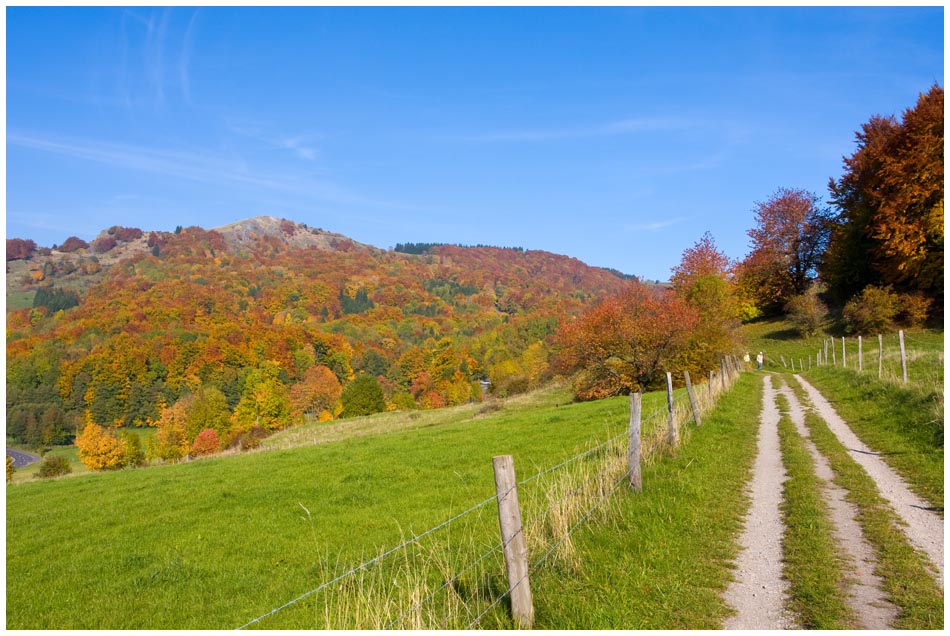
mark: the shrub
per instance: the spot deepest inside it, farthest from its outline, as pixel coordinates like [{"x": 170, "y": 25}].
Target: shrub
[
  {"x": 205, "y": 444},
  {"x": 72, "y": 244},
  {"x": 54, "y": 466},
  {"x": 251, "y": 438},
  {"x": 871, "y": 312},
  {"x": 914, "y": 309},
  {"x": 806, "y": 312},
  {"x": 103, "y": 244}
]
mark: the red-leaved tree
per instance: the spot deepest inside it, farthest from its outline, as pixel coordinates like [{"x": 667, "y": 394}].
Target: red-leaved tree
[{"x": 625, "y": 343}]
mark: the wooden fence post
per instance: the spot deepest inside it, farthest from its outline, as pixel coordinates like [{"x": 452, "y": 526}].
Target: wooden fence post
[
  {"x": 834, "y": 362},
  {"x": 844, "y": 356},
  {"x": 860, "y": 355},
  {"x": 512, "y": 541},
  {"x": 672, "y": 434},
  {"x": 826, "y": 351},
  {"x": 692, "y": 400},
  {"x": 903, "y": 356},
  {"x": 784, "y": 366},
  {"x": 711, "y": 389},
  {"x": 633, "y": 448},
  {"x": 880, "y": 355},
  {"x": 801, "y": 364},
  {"x": 722, "y": 373}
]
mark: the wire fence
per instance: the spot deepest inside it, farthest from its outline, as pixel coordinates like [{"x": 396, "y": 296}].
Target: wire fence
[
  {"x": 919, "y": 364},
  {"x": 456, "y": 581}
]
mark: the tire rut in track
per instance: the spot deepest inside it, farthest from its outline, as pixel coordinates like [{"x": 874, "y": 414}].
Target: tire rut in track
[
  {"x": 865, "y": 591},
  {"x": 924, "y": 528},
  {"x": 759, "y": 593}
]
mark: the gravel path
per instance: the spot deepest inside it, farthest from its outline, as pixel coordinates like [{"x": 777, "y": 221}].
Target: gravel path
[
  {"x": 759, "y": 593},
  {"x": 865, "y": 593},
  {"x": 924, "y": 528}
]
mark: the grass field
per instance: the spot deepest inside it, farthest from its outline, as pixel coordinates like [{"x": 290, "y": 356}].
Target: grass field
[{"x": 218, "y": 542}]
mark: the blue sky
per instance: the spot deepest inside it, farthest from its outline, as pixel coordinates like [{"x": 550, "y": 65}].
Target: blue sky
[{"x": 614, "y": 135}]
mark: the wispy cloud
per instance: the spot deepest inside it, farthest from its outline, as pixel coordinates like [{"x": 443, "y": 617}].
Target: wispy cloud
[
  {"x": 614, "y": 128},
  {"x": 184, "y": 57},
  {"x": 296, "y": 144},
  {"x": 302, "y": 146},
  {"x": 656, "y": 225},
  {"x": 201, "y": 167}
]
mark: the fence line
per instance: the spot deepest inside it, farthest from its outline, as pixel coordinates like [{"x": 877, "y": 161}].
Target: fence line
[
  {"x": 679, "y": 415},
  {"x": 546, "y": 554},
  {"x": 898, "y": 355}
]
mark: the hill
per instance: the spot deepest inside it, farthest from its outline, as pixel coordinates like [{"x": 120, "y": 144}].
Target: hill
[{"x": 116, "y": 331}]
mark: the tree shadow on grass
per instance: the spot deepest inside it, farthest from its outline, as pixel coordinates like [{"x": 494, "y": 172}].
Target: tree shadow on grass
[{"x": 783, "y": 334}]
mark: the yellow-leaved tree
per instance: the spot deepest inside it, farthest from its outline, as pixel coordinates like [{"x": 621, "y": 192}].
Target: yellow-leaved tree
[{"x": 99, "y": 449}]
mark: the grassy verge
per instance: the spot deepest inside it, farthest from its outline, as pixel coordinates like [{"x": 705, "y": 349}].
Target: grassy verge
[
  {"x": 812, "y": 565},
  {"x": 904, "y": 425},
  {"x": 664, "y": 560},
  {"x": 907, "y": 578}
]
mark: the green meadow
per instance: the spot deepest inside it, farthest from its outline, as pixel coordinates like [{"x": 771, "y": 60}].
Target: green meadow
[{"x": 218, "y": 542}]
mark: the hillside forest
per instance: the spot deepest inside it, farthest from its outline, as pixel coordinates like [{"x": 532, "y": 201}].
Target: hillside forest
[{"x": 207, "y": 340}]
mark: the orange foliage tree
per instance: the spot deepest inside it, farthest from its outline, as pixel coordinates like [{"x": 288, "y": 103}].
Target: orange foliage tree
[
  {"x": 703, "y": 280},
  {"x": 626, "y": 342},
  {"x": 317, "y": 394},
  {"x": 100, "y": 450},
  {"x": 890, "y": 226}
]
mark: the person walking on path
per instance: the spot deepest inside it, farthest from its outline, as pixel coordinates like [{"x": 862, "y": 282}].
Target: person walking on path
[{"x": 759, "y": 359}]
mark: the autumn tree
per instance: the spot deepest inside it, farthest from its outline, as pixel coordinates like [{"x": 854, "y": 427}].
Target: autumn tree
[
  {"x": 18, "y": 249},
  {"x": 318, "y": 393},
  {"x": 99, "y": 449},
  {"x": 173, "y": 442},
  {"x": 206, "y": 443},
  {"x": 626, "y": 342},
  {"x": 788, "y": 243},
  {"x": 208, "y": 410},
  {"x": 889, "y": 227},
  {"x": 703, "y": 281},
  {"x": 363, "y": 396},
  {"x": 265, "y": 401},
  {"x": 132, "y": 452}
]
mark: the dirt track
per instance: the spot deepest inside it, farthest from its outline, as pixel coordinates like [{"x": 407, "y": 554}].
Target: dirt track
[{"x": 759, "y": 592}]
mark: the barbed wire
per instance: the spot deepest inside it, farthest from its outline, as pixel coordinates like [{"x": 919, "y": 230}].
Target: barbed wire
[
  {"x": 663, "y": 410},
  {"x": 415, "y": 538},
  {"x": 366, "y": 564},
  {"x": 537, "y": 563},
  {"x": 454, "y": 578}
]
